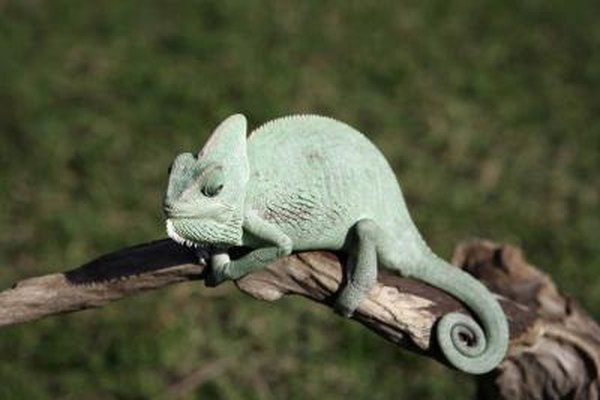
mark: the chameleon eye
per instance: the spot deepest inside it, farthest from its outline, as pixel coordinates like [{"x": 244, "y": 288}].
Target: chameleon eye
[
  {"x": 212, "y": 182},
  {"x": 211, "y": 191}
]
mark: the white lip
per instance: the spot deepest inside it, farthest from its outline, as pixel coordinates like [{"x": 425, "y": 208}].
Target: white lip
[
  {"x": 175, "y": 236},
  {"x": 214, "y": 211}
]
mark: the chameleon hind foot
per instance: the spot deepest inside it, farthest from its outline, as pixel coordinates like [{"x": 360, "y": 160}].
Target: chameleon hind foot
[
  {"x": 348, "y": 300},
  {"x": 361, "y": 268}
]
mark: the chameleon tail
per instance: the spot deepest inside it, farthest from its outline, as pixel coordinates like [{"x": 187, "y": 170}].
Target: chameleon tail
[{"x": 465, "y": 344}]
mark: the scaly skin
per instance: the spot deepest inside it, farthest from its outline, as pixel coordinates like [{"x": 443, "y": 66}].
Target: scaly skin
[{"x": 309, "y": 182}]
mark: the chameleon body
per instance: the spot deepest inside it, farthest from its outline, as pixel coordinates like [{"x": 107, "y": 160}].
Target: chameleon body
[{"x": 311, "y": 182}]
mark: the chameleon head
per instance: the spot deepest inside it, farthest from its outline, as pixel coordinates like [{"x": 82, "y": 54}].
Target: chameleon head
[{"x": 205, "y": 195}]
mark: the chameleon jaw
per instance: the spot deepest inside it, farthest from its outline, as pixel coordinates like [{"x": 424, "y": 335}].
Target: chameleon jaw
[{"x": 177, "y": 238}]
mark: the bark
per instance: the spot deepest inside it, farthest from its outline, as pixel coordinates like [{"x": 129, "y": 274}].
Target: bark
[{"x": 554, "y": 347}]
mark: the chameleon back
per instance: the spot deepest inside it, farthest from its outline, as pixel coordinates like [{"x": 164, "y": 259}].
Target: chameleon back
[{"x": 316, "y": 177}]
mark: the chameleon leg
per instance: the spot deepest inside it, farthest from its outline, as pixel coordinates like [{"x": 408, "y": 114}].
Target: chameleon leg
[
  {"x": 277, "y": 245},
  {"x": 251, "y": 262},
  {"x": 362, "y": 276}
]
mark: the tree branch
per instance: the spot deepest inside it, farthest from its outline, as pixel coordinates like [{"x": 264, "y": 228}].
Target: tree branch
[
  {"x": 554, "y": 349},
  {"x": 111, "y": 277}
]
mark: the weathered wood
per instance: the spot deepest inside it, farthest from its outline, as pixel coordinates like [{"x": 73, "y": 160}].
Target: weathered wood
[
  {"x": 555, "y": 346},
  {"x": 111, "y": 277},
  {"x": 558, "y": 357}
]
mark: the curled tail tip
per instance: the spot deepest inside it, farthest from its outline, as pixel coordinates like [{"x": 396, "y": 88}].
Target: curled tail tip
[{"x": 467, "y": 347}]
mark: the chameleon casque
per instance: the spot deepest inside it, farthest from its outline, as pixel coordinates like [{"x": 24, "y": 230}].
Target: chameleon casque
[{"x": 307, "y": 182}]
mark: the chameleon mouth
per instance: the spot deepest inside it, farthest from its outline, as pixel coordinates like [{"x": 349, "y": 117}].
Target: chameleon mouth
[
  {"x": 200, "y": 232},
  {"x": 177, "y": 237}
]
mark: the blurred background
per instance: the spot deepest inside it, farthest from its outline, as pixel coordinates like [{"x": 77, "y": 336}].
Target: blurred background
[{"x": 488, "y": 112}]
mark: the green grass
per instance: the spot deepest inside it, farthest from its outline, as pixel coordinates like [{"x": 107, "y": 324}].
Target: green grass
[{"x": 487, "y": 111}]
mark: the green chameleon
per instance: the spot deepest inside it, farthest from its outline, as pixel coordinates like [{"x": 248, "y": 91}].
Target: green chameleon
[{"x": 310, "y": 182}]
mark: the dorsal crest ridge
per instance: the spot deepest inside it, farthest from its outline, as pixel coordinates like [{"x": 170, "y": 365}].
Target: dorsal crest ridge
[{"x": 265, "y": 127}]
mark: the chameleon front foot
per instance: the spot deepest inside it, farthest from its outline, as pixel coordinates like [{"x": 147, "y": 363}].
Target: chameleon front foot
[
  {"x": 219, "y": 270},
  {"x": 203, "y": 255}
]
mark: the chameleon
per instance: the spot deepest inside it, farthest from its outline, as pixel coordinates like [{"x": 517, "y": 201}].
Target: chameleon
[{"x": 308, "y": 182}]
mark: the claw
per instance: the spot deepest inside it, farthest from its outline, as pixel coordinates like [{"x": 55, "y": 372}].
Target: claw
[
  {"x": 203, "y": 255},
  {"x": 218, "y": 269},
  {"x": 220, "y": 260},
  {"x": 342, "y": 310},
  {"x": 216, "y": 276},
  {"x": 348, "y": 301}
]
